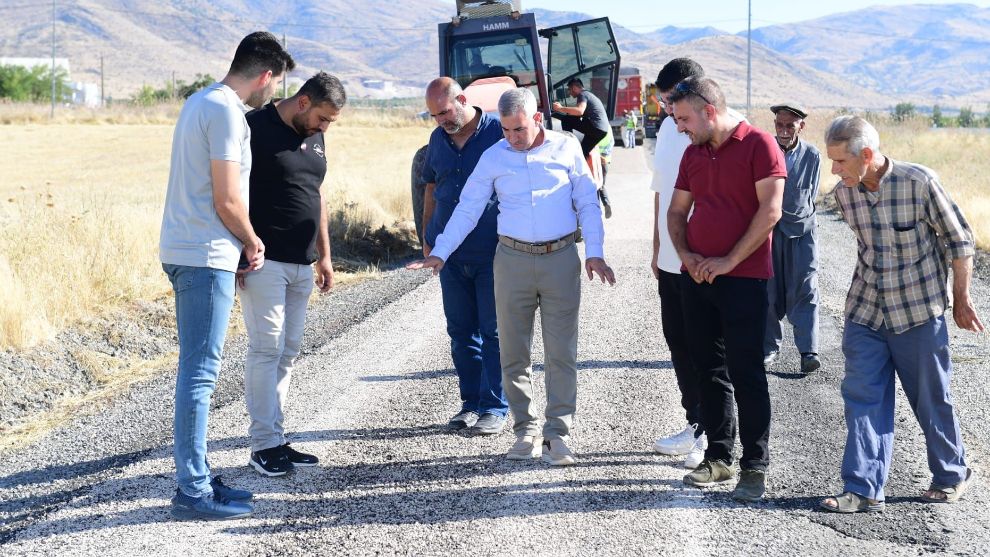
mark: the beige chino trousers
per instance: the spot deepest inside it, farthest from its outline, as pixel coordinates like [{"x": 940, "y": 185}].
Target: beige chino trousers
[{"x": 552, "y": 283}]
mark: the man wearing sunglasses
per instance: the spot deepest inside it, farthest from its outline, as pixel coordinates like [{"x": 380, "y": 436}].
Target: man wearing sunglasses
[{"x": 732, "y": 178}]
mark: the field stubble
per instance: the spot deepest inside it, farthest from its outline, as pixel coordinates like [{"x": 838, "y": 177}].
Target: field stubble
[{"x": 80, "y": 209}]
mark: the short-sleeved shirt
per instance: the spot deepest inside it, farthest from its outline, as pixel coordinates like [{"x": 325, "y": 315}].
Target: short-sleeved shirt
[
  {"x": 906, "y": 232},
  {"x": 594, "y": 110},
  {"x": 666, "y": 164},
  {"x": 211, "y": 127},
  {"x": 800, "y": 190},
  {"x": 286, "y": 176},
  {"x": 723, "y": 185},
  {"x": 449, "y": 168}
]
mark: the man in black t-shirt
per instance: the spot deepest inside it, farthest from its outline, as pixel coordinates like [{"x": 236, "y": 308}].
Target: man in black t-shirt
[
  {"x": 288, "y": 213},
  {"x": 587, "y": 116}
]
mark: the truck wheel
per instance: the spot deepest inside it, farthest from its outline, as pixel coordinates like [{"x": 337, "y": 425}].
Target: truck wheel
[{"x": 418, "y": 188}]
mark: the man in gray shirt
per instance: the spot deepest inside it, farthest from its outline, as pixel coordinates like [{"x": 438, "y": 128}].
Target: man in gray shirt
[
  {"x": 205, "y": 230},
  {"x": 793, "y": 289}
]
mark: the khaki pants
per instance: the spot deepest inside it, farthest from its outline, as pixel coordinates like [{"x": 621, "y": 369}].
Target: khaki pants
[{"x": 552, "y": 283}]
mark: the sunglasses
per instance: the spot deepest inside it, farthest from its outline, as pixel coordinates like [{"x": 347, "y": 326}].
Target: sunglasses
[{"x": 686, "y": 89}]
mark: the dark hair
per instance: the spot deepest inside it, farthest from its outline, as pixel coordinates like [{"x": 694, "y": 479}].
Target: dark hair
[
  {"x": 575, "y": 81},
  {"x": 677, "y": 70},
  {"x": 259, "y": 52},
  {"x": 324, "y": 88},
  {"x": 699, "y": 91}
]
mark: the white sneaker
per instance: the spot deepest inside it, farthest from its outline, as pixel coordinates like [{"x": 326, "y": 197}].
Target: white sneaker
[
  {"x": 677, "y": 444},
  {"x": 555, "y": 452},
  {"x": 697, "y": 452},
  {"x": 526, "y": 447}
]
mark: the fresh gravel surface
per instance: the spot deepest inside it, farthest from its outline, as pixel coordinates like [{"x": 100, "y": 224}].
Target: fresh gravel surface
[{"x": 375, "y": 385}]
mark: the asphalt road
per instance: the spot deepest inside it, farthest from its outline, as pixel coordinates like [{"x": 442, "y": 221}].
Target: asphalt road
[{"x": 375, "y": 385}]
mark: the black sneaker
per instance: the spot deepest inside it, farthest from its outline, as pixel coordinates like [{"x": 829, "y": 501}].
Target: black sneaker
[
  {"x": 810, "y": 362},
  {"x": 271, "y": 462},
  {"x": 297, "y": 458}
]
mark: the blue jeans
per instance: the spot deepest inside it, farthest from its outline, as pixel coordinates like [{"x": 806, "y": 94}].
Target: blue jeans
[
  {"x": 469, "y": 305},
  {"x": 920, "y": 358},
  {"x": 203, "y": 300}
]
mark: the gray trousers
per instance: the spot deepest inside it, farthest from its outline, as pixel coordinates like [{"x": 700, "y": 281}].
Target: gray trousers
[
  {"x": 273, "y": 300},
  {"x": 552, "y": 283},
  {"x": 793, "y": 292}
]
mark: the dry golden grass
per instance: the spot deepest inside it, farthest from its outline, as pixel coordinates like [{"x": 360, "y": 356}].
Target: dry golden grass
[
  {"x": 957, "y": 156},
  {"x": 80, "y": 209}
]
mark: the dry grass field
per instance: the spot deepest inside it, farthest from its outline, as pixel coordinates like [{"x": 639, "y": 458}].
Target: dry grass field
[
  {"x": 957, "y": 155},
  {"x": 80, "y": 205},
  {"x": 81, "y": 199}
]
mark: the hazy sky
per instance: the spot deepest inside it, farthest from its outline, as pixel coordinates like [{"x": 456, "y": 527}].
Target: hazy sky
[{"x": 728, "y": 15}]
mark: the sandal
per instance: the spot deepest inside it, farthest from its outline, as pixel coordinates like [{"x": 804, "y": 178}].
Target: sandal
[
  {"x": 850, "y": 502},
  {"x": 952, "y": 493}
]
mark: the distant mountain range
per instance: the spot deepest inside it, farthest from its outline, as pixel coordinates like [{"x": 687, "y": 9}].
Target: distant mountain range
[{"x": 870, "y": 58}]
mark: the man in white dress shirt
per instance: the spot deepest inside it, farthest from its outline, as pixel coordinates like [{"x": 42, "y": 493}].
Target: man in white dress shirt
[{"x": 545, "y": 192}]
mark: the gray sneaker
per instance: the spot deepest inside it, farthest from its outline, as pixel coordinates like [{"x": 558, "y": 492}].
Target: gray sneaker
[
  {"x": 487, "y": 424},
  {"x": 462, "y": 420},
  {"x": 751, "y": 487},
  {"x": 709, "y": 473}
]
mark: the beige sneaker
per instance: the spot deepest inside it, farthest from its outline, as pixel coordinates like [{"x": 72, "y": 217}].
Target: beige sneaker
[
  {"x": 526, "y": 447},
  {"x": 555, "y": 452}
]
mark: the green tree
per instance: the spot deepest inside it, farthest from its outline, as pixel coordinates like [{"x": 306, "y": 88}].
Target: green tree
[
  {"x": 186, "y": 91},
  {"x": 903, "y": 111},
  {"x": 937, "y": 119},
  {"x": 21, "y": 84},
  {"x": 966, "y": 117}
]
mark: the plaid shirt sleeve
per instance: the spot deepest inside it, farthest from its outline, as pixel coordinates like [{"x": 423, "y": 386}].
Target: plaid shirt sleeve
[{"x": 948, "y": 222}]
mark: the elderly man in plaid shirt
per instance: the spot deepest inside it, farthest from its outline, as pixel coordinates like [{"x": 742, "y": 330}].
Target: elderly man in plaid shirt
[{"x": 907, "y": 230}]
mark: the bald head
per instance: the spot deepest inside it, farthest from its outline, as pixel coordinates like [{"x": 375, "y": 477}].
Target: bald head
[
  {"x": 447, "y": 105},
  {"x": 443, "y": 87}
]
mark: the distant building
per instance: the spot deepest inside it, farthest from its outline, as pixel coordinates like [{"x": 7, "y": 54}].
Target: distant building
[{"x": 86, "y": 94}]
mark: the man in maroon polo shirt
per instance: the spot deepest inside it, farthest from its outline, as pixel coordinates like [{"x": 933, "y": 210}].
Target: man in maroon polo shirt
[{"x": 733, "y": 176}]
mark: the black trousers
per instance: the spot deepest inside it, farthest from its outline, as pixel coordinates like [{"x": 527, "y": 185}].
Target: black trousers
[
  {"x": 592, "y": 135},
  {"x": 725, "y": 323},
  {"x": 672, "y": 320}
]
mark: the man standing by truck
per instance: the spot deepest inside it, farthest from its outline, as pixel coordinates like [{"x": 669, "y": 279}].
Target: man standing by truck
[
  {"x": 588, "y": 116},
  {"x": 467, "y": 281}
]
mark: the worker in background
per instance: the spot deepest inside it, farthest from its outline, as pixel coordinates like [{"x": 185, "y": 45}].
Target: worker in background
[{"x": 629, "y": 130}]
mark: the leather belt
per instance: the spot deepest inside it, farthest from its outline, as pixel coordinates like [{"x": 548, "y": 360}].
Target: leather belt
[{"x": 538, "y": 248}]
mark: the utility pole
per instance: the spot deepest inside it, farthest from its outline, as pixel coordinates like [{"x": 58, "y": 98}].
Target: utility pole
[
  {"x": 53, "y": 60},
  {"x": 285, "y": 78},
  {"x": 749, "y": 62},
  {"x": 103, "y": 94}
]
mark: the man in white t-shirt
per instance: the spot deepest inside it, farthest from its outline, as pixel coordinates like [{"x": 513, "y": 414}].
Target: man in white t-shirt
[
  {"x": 690, "y": 441},
  {"x": 205, "y": 232}
]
